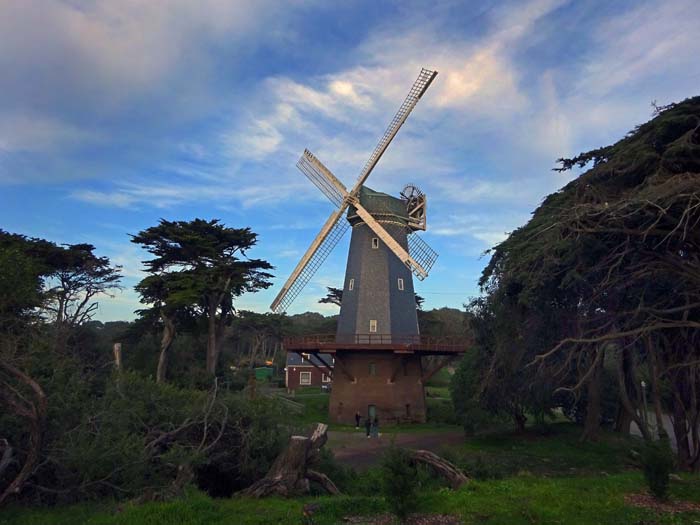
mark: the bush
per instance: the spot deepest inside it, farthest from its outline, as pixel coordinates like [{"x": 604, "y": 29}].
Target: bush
[
  {"x": 657, "y": 460},
  {"x": 128, "y": 435},
  {"x": 398, "y": 482},
  {"x": 441, "y": 411},
  {"x": 345, "y": 478}
]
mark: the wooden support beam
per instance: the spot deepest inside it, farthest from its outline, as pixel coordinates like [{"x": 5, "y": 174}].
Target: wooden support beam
[
  {"x": 400, "y": 363},
  {"x": 322, "y": 370},
  {"x": 341, "y": 366},
  {"x": 328, "y": 370},
  {"x": 428, "y": 375}
]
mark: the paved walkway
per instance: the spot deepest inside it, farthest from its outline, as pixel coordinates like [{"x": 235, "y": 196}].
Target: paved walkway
[{"x": 354, "y": 449}]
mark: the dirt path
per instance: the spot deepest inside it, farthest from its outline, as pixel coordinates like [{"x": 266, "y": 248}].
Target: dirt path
[{"x": 354, "y": 449}]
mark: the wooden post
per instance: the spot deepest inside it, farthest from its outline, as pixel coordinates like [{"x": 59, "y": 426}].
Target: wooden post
[{"x": 117, "y": 350}]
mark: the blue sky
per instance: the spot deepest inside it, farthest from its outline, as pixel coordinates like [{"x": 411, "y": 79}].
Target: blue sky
[{"x": 114, "y": 114}]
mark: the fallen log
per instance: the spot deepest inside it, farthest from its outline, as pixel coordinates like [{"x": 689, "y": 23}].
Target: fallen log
[
  {"x": 290, "y": 475},
  {"x": 454, "y": 476}
]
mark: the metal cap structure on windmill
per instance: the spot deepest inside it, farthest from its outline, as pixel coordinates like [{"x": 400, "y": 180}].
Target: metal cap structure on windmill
[{"x": 377, "y": 349}]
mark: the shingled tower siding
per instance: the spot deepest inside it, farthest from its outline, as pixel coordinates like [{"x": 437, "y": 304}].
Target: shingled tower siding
[
  {"x": 389, "y": 382},
  {"x": 375, "y": 274}
]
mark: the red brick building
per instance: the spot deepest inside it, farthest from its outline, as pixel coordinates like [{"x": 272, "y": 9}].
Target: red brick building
[{"x": 307, "y": 370}]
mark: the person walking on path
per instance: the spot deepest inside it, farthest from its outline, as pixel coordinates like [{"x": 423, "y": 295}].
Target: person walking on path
[
  {"x": 368, "y": 426},
  {"x": 374, "y": 430},
  {"x": 357, "y": 420}
]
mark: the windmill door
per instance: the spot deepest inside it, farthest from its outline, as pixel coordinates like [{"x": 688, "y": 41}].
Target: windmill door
[{"x": 371, "y": 412}]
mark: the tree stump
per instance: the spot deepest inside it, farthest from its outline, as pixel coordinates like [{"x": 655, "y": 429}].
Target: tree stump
[{"x": 290, "y": 475}]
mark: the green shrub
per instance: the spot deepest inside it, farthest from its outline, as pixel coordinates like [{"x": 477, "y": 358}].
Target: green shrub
[
  {"x": 483, "y": 467},
  {"x": 441, "y": 411},
  {"x": 399, "y": 482},
  {"x": 657, "y": 461},
  {"x": 127, "y": 435},
  {"x": 344, "y": 477}
]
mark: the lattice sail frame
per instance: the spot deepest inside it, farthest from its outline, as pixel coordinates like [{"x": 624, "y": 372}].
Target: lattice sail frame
[
  {"x": 307, "y": 166},
  {"x": 329, "y": 237},
  {"x": 313, "y": 264},
  {"x": 421, "y": 252},
  {"x": 422, "y": 83}
]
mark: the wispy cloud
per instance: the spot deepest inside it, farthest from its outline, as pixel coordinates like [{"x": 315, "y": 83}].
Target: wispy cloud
[
  {"x": 165, "y": 196},
  {"x": 652, "y": 40}
]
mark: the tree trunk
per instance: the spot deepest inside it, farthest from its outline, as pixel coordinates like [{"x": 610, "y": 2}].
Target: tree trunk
[
  {"x": 289, "y": 475},
  {"x": 625, "y": 401},
  {"x": 447, "y": 470},
  {"x": 655, "y": 380},
  {"x": 212, "y": 350},
  {"x": 165, "y": 344},
  {"x": 520, "y": 420},
  {"x": 591, "y": 426},
  {"x": 623, "y": 421},
  {"x": 680, "y": 429},
  {"x": 34, "y": 412}
]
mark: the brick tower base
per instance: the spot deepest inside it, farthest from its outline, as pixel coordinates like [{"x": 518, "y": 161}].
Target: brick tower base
[{"x": 386, "y": 383}]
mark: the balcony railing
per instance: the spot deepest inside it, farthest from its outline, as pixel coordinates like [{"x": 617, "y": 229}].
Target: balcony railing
[{"x": 390, "y": 341}]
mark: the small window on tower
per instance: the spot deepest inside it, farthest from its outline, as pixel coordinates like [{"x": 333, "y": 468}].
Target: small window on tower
[
  {"x": 372, "y": 369},
  {"x": 375, "y": 243},
  {"x": 372, "y": 326},
  {"x": 400, "y": 283},
  {"x": 351, "y": 285}
]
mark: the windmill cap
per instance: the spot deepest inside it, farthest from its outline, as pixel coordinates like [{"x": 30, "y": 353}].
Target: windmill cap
[{"x": 382, "y": 206}]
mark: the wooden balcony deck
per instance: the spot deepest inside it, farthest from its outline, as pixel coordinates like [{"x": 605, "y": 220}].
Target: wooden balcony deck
[{"x": 412, "y": 344}]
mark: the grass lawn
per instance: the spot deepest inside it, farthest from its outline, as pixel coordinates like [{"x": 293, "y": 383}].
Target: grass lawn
[
  {"x": 554, "y": 450},
  {"x": 518, "y": 500}
]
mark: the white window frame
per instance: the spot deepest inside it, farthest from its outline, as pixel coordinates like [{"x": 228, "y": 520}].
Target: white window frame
[
  {"x": 303, "y": 375},
  {"x": 372, "y": 326},
  {"x": 375, "y": 243},
  {"x": 351, "y": 285},
  {"x": 400, "y": 283},
  {"x": 325, "y": 378}
]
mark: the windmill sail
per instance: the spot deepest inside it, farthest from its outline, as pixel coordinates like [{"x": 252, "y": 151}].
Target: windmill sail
[
  {"x": 387, "y": 239},
  {"x": 334, "y": 228},
  {"x": 320, "y": 248},
  {"x": 322, "y": 177},
  {"x": 419, "y": 87},
  {"x": 421, "y": 251}
]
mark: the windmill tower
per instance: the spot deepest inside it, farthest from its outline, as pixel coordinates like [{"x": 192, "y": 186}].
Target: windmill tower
[{"x": 377, "y": 350}]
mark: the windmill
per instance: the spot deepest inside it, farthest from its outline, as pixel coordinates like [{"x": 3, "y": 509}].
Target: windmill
[{"x": 377, "y": 348}]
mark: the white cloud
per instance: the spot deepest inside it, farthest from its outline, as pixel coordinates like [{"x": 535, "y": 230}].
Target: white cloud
[
  {"x": 24, "y": 132},
  {"x": 465, "y": 190},
  {"x": 165, "y": 196},
  {"x": 116, "y": 199},
  {"x": 475, "y": 77},
  {"x": 75, "y": 67},
  {"x": 651, "y": 40}
]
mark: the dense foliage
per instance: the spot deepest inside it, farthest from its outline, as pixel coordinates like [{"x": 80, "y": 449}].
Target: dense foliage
[
  {"x": 79, "y": 421},
  {"x": 600, "y": 290},
  {"x": 198, "y": 267}
]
